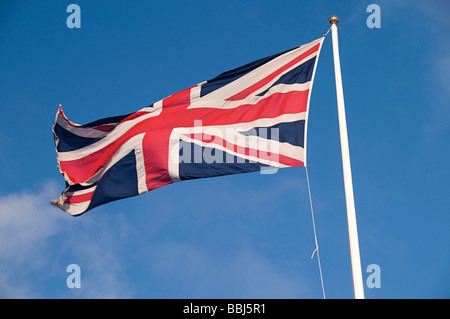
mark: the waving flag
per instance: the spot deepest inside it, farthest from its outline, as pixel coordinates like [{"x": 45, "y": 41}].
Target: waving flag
[{"x": 244, "y": 120}]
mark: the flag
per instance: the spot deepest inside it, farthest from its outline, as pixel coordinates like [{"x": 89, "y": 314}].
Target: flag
[{"x": 244, "y": 120}]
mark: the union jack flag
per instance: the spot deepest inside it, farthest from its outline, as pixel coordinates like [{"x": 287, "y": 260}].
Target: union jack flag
[{"x": 243, "y": 120}]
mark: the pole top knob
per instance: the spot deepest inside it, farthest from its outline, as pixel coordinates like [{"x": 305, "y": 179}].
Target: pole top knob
[{"x": 333, "y": 20}]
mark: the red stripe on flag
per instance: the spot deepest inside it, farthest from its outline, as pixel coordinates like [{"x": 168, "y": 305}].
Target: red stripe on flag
[
  {"x": 103, "y": 127},
  {"x": 275, "y": 105},
  {"x": 243, "y": 94},
  {"x": 75, "y": 199},
  {"x": 273, "y": 157}
]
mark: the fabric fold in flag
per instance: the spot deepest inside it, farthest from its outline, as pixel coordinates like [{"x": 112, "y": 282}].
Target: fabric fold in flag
[{"x": 244, "y": 120}]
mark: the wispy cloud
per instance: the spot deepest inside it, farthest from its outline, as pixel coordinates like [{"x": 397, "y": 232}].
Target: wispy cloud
[
  {"x": 37, "y": 242},
  {"x": 26, "y": 225}
]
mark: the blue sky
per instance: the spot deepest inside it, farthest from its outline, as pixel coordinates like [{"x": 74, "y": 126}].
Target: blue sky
[{"x": 243, "y": 236}]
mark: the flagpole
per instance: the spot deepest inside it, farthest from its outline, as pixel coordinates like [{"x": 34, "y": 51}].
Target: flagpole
[{"x": 358, "y": 287}]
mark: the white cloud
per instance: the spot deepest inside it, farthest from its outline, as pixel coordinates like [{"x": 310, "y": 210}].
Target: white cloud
[
  {"x": 95, "y": 245},
  {"x": 26, "y": 224},
  {"x": 37, "y": 242}
]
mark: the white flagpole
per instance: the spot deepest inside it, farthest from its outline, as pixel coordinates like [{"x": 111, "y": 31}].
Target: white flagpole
[{"x": 358, "y": 287}]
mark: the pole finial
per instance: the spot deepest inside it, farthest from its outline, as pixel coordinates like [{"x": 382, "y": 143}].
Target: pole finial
[{"x": 333, "y": 20}]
